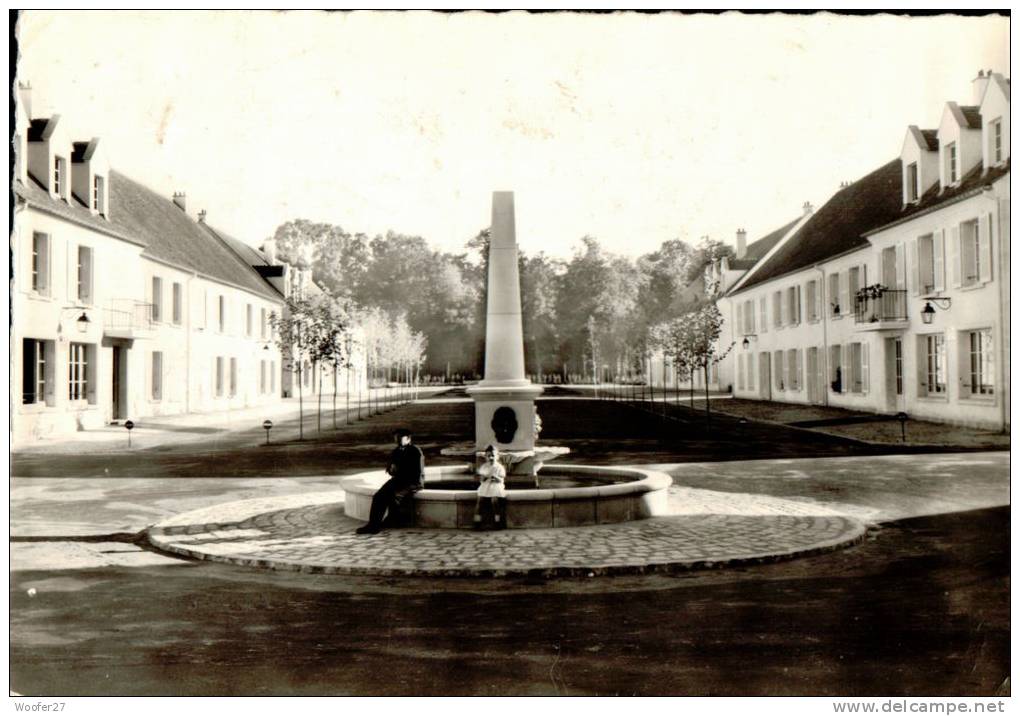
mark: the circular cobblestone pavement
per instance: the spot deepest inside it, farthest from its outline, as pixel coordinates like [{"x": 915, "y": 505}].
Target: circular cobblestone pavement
[{"x": 311, "y": 533}]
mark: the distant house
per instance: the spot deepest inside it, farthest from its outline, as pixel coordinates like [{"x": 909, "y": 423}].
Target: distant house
[{"x": 123, "y": 305}]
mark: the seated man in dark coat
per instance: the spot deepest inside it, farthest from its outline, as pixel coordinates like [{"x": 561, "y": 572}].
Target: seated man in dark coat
[{"x": 407, "y": 476}]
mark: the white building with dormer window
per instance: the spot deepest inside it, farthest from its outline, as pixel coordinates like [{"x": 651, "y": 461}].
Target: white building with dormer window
[
  {"x": 123, "y": 305},
  {"x": 894, "y": 295}
]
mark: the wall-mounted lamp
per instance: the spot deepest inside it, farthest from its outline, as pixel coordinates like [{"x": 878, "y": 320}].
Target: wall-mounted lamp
[
  {"x": 928, "y": 312},
  {"x": 83, "y": 322},
  {"x": 747, "y": 340}
]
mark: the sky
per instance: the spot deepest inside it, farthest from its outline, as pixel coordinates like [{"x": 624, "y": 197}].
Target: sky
[{"x": 634, "y": 129}]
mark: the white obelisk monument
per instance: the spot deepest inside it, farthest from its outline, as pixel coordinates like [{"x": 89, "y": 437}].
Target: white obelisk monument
[{"x": 505, "y": 398}]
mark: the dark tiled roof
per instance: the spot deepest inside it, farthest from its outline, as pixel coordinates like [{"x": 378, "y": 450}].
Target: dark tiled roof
[
  {"x": 839, "y": 225},
  {"x": 933, "y": 198},
  {"x": 76, "y": 212},
  {"x": 143, "y": 217},
  {"x": 931, "y": 138},
  {"x": 172, "y": 236},
  {"x": 757, "y": 249},
  {"x": 973, "y": 116},
  {"x": 248, "y": 254}
]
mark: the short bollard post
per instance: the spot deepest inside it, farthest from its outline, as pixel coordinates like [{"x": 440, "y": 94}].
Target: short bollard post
[
  {"x": 129, "y": 424},
  {"x": 267, "y": 425},
  {"x": 902, "y": 417}
]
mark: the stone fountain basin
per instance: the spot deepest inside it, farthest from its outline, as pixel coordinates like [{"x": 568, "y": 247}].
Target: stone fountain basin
[{"x": 568, "y": 496}]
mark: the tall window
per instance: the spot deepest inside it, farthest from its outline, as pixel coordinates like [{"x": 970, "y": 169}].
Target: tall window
[
  {"x": 970, "y": 253},
  {"x": 60, "y": 177},
  {"x": 996, "y": 140},
  {"x": 812, "y": 301},
  {"x": 157, "y": 298},
  {"x": 233, "y": 377},
  {"x": 981, "y": 367},
  {"x": 222, "y": 313},
  {"x": 763, "y": 314},
  {"x": 85, "y": 274},
  {"x": 930, "y": 259},
  {"x": 99, "y": 194},
  {"x": 262, "y": 325},
  {"x": 178, "y": 303},
  {"x": 247, "y": 320},
  {"x": 935, "y": 364},
  {"x": 272, "y": 376},
  {"x": 777, "y": 309},
  {"x": 792, "y": 369},
  {"x": 834, "y": 295},
  {"x": 262, "y": 377},
  {"x": 836, "y": 378},
  {"x": 750, "y": 371},
  {"x": 36, "y": 371},
  {"x": 857, "y": 368},
  {"x": 78, "y": 372},
  {"x": 951, "y": 162},
  {"x": 219, "y": 376},
  {"x": 854, "y": 284},
  {"x": 793, "y": 305},
  {"x": 740, "y": 371},
  {"x": 41, "y": 263},
  {"x": 911, "y": 180},
  {"x": 157, "y": 375},
  {"x": 777, "y": 370}
]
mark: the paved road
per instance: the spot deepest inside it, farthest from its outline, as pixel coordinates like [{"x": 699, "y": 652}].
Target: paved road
[
  {"x": 598, "y": 431},
  {"x": 921, "y": 607}
]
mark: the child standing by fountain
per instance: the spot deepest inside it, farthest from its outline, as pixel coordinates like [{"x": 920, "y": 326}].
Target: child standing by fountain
[{"x": 492, "y": 492}]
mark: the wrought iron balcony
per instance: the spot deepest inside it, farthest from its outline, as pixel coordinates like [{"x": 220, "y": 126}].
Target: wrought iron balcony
[
  {"x": 877, "y": 307},
  {"x": 127, "y": 318}
]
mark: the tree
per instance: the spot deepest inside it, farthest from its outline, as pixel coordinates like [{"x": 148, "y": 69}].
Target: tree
[
  {"x": 330, "y": 341},
  {"x": 705, "y": 326},
  {"x": 294, "y": 335}
]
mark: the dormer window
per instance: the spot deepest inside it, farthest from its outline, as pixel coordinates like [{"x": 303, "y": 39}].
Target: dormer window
[
  {"x": 995, "y": 128},
  {"x": 911, "y": 179},
  {"x": 951, "y": 171},
  {"x": 59, "y": 176},
  {"x": 99, "y": 194}
]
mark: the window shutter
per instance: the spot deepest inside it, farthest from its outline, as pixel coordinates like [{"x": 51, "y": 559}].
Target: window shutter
[
  {"x": 865, "y": 368},
  {"x": 901, "y": 266},
  {"x": 800, "y": 368},
  {"x": 764, "y": 314},
  {"x": 798, "y": 304},
  {"x": 844, "y": 355},
  {"x": 845, "y": 309},
  {"x": 922, "y": 366},
  {"x": 985, "y": 248},
  {"x": 749, "y": 315},
  {"x": 740, "y": 371},
  {"x": 915, "y": 268},
  {"x": 954, "y": 255},
  {"x": 750, "y": 372},
  {"x": 939, "y": 259},
  {"x": 740, "y": 317}
]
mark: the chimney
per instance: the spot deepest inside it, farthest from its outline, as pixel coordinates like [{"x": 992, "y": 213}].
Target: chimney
[
  {"x": 201, "y": 216},
  {"x": 181, "y": 199},
  {"x": 25, "y": 97},
  {"x": 808, "y": 209},
  {"x": 978, "y": 85},
  {"x": 741, "y": 243},
  {"x": 269, "y": 249}
]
